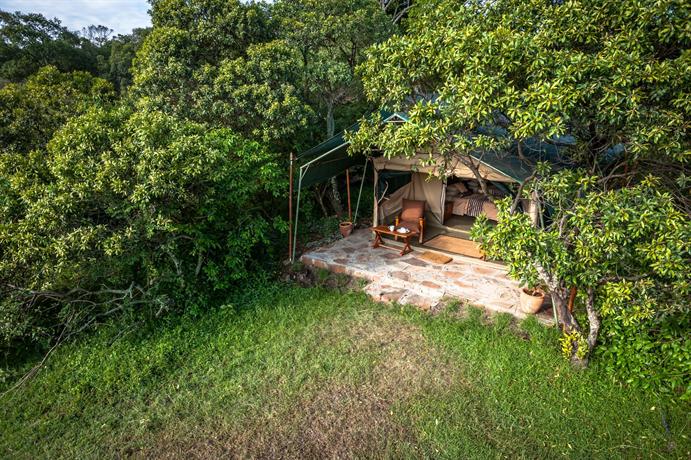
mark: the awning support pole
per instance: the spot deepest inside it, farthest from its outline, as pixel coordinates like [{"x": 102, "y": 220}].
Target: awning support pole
[
  {"x": 350, "y": 212},
  {"x": 362, "y": 182},
  {"x": 297, "y": 212},
  {"x": 290, "y": 208}
]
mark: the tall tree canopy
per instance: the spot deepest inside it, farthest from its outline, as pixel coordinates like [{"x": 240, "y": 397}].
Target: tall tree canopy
[
  {"x": 210, "y": 60},
  {"x": 331, "y": 37},
  {"x": 123, "y": 49},
  {"x": 613, "y": 74},
  {"x": 263, "y": 70}
]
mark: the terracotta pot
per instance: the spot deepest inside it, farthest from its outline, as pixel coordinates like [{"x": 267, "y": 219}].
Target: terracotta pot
[
  {"x": 531, "y": 301},
  {"x": 346, "y": 228}
]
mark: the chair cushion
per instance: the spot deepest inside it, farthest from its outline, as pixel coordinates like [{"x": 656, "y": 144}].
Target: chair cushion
[{"x": 412, "y": 210}]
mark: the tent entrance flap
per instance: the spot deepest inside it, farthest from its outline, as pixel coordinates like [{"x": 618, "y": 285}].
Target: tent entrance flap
[{"x": 420, "y": 187}]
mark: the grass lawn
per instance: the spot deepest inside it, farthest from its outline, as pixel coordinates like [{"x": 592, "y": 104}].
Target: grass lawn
[{"x": 311, "y": 372}]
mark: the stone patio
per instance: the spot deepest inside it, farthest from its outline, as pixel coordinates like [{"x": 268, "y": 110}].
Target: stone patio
[{"x": 411, "y": 280}]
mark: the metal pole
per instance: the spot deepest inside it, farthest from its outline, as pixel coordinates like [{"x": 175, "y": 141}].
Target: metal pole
[
  {"x": 350, "y": 212},
  {"x": 297, "y": 214},
  {"x": 364, "y": 175},
  {"x": 290, "y": 208}
]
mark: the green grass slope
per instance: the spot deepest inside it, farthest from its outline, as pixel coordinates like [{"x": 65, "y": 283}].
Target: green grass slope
[{"x": 310, "y": 372}]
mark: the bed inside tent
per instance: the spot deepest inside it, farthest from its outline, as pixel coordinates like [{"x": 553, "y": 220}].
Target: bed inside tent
[{"x": 451, "y": 192}]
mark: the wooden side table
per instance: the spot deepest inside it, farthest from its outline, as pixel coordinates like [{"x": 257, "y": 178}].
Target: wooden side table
[{"x": 384, "y": 230}]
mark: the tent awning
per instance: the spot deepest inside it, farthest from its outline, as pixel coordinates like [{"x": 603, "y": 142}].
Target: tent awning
[
  {"x": 328, "y": 159},
  {"x": 331, "y": 157}
]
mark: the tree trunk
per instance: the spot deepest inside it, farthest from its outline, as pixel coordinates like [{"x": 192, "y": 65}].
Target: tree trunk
[
  {"x": 320, "y": 199},
  {"x": 593, "y": 320},
  {"x": 560, "y": 302},
  {"x": 334, "y": 196}
]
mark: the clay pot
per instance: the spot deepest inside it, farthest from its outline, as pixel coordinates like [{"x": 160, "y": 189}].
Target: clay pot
[
  {"x": 531, "y": 300},
  {"x": 346, "y": 228}
]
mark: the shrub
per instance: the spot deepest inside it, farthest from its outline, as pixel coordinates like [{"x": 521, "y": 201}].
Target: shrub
[
  {"x": 626, "y": 252},
  {"x": 125, "y": 211}
]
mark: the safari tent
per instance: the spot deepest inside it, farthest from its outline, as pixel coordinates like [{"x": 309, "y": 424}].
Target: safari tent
[{"x": 450, "y": 190}]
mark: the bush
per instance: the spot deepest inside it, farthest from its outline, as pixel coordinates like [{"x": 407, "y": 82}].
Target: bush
[
  {"x": 125, "y": 211},
  {"x": 626, "y": 251}
]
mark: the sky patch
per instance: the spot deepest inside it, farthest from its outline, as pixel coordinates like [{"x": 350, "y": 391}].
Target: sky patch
[{"x": 120, "y": 15}]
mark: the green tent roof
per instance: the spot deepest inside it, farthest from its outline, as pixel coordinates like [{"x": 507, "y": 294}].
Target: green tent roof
[
  {"x": 509, "y": 164},
  {"x": 331, "y": 157},
  {"x": 323, "y": 161}
]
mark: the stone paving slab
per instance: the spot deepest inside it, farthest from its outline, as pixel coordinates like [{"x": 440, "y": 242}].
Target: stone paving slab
[{"x": 411, "y": 280}]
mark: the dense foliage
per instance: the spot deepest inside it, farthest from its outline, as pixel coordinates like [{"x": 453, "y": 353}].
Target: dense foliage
[
  {"x": 607, "y": 82},
  {"x": 128, "y": 209},
  {"x": 612, "y": 74},
  {"x": 168, "y": 195},
  {"x": 142, "y": 172},
  {"x": 274, "y": 70},
  {"x": 31, "y": 112},
  {"x": 628, "y": 253}
]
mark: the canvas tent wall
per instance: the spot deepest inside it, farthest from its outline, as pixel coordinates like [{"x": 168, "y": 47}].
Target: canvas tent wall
[{"x": 429, "y": 174}]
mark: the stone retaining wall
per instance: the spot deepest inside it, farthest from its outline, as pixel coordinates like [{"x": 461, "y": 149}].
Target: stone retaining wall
[{"x": 411, "y": 280}]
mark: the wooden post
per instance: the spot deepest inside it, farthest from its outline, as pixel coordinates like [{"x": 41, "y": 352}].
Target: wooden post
[
  {"x": 572, "y": 298},
  {"x": 350, "y": 213},
  {"x": 290, "y": 209}
]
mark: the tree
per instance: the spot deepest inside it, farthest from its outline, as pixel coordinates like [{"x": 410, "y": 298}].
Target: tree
[
  {"x": 483, "y": 76},
  {"x": 331, "y": 37},
  {"x": 611, "y": 74},
  {"x": 30, "y": 41},
  {"x": 397, "y": 9},
  {"x": 97, "y": 34},
  {"x": 123, "y": 50},
  {"x": 256, "y": 95},
  {"x": 225, "y": 70},
  {"x": 627, "y": 252},
  {"x": 135, "y": 211},
  {"x": 32, "y": 111}
]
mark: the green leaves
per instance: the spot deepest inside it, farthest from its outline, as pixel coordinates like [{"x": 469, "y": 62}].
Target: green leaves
[
  {"x": 632, "y": 247},
  {"x": 32, "y": 111},
  {"x": 131, "y": 199},
  {"x": 613, "y": 70}
]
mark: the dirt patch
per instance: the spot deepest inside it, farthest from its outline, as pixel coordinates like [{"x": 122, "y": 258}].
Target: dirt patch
[{"x": 344, "y": 416}]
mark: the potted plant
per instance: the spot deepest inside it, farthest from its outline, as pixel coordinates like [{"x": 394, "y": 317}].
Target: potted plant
[
  {"x": 346, "y": 228},
  {"x": 531, "y": 300}
]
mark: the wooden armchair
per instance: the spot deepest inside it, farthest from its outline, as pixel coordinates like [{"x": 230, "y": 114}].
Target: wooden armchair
[{"x": 412, "y": 216}]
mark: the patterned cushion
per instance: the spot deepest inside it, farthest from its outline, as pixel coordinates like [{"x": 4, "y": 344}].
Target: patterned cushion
[{"x": 412, "y": 210}]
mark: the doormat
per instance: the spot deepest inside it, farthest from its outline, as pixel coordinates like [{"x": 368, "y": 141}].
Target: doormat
[
  {"x": 435, "y": 257},
  {"x": 455, "y": 245}
]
